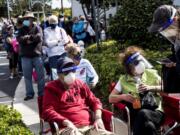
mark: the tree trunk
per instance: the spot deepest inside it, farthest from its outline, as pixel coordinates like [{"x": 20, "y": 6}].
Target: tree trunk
[{"x": 84, "y": 11}]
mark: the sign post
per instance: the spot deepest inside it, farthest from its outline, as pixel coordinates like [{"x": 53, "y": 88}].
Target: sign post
[
  {"x": 8, "y": 13},
  {"x": 95, "y": 23}
]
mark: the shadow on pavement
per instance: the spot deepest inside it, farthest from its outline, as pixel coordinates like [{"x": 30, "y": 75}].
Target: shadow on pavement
[{"x": 7, "y": 86}]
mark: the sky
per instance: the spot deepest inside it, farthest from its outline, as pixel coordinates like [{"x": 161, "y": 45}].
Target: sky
[
  {"x": 57, "y": 3},
  {"x": 177, "y": 2}
]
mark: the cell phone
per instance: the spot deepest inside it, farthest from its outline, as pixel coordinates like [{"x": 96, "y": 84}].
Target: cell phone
[{"x": 164, "y": 61}]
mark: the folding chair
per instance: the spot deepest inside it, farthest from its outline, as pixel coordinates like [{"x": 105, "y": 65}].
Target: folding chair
[
  {"x": 106, "y": 117},
  {"x": 171, "y": 105},
  {"x": 45, "y": 127},
  {"x": 119, "y": 124}
]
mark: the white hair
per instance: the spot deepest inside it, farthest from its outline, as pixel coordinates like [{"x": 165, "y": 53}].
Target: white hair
[{"x": 53, "y": 19}]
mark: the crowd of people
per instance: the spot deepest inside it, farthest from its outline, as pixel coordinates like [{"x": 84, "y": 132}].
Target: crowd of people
[{"x": 67, "y": 97}]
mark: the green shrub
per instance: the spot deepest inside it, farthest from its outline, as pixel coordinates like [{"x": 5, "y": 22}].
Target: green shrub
[
  {"x": 11, "y": 123},
  {"x": 132, "y": 20},
  {"x": 109, "y": 69}
]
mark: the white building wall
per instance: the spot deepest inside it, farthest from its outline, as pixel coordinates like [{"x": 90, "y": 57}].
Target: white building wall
[{"x": 77, "y": 9}]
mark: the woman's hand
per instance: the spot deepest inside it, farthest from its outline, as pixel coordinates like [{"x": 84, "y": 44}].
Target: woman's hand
[
  {"x": 144, "y": 87},
  {"x": 128, "y": 97}
]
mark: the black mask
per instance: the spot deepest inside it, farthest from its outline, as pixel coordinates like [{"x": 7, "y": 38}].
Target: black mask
[{"x": 53, "y": 26}]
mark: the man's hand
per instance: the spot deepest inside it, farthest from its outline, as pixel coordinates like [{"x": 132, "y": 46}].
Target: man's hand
[
  {"x": 98, "y": 124},
  {"x": 171, "y": 64},
  {"x": 69, "y": 124}
]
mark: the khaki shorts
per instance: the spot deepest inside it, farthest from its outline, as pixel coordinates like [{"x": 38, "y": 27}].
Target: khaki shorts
[{"x": 86, "y": 130}]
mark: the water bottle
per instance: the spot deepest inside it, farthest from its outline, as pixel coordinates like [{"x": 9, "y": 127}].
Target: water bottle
[
  {"x": 138, "y": 82},
  {"x": 136, "y": 102}
]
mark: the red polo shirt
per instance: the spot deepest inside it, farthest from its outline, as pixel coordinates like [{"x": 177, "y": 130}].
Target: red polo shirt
[{"x": 72, "y": 104}]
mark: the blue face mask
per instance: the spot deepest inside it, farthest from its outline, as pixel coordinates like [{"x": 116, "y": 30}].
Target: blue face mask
[
  {"x": 53, "y": 26},
  {"x": 26, "y": 23}
]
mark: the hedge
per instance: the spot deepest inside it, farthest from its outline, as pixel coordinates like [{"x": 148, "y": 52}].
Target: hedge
[
  {"x": 105, "y": 62},
  {"x": 132, "y": 20},
  {"x": 11, "y": 122}
]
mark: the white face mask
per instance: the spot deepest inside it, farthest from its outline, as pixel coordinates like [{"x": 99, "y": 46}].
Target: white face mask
[
  {"x": 69, "y": 78},
  {"x": 61, "y": 19},
  {"x": 140, "y": 68}
]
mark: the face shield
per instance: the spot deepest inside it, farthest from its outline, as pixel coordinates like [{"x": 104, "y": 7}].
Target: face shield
[
  {"x": 170, "y": 29},
  {"x": 136, "y": 58}
]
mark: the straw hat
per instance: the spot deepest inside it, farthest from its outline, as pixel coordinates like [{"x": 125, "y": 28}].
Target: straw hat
[{"x": 29, "y": 14}]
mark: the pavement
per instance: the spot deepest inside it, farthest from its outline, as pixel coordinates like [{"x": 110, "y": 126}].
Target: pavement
[
  {"x": 28, "y": 109},
  {"x": 15, "y": 88}
]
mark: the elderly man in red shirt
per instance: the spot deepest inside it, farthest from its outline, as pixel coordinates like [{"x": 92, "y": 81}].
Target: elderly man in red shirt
[{"x": 68, "y": 102}]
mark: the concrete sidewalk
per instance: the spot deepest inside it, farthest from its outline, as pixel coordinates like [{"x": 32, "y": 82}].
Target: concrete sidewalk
[{"x": 28, "y": 109}]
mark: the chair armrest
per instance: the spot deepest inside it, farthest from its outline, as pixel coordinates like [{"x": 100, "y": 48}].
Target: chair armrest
[
  {"x": 111, "y": 86},
  {"x": 54, "y": 128},
  {"x": 120, "y": 106},
  {"x": 123, "y": 107},
  {"x": 107, "y": 119}
]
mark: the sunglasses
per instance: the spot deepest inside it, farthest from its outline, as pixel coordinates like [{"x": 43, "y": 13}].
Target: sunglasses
[
  {"x": 67, "y": 72},
  {"x": 78, "y": 56}
]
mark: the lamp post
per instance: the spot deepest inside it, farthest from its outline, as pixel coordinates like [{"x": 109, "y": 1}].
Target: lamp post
[
  {"x": 44, "y": 16},
  {"x": 62, "y": 7}
]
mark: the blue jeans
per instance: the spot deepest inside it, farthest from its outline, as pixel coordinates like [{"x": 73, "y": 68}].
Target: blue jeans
[
  {"x": 27, "y": 65},
  {"x": 53, "y": 63}
]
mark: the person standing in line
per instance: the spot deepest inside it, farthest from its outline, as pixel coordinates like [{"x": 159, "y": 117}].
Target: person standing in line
[
  {"x": 19, "y": 25},
  {"x": 56, "y": 40},
  {"x": 13, "y": 51},
  {"x": 30, "y": 40},
  {"x": 78, "y": 30}
]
